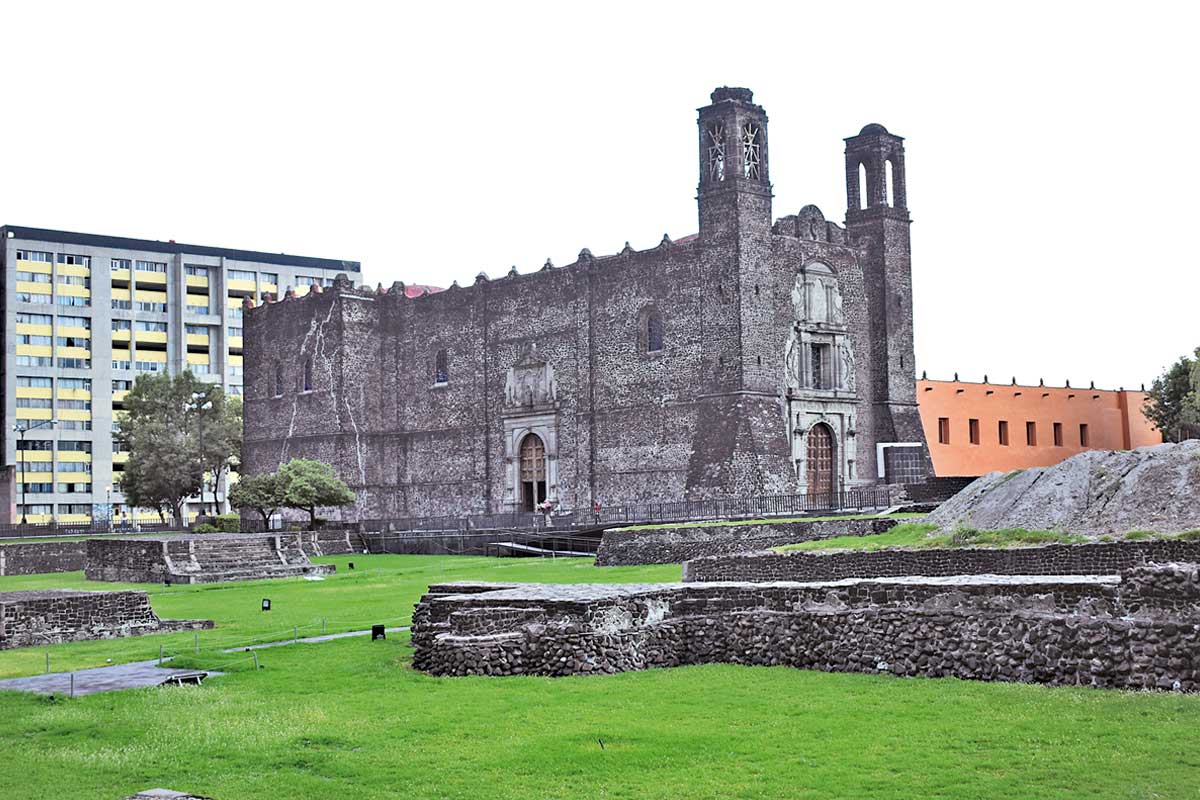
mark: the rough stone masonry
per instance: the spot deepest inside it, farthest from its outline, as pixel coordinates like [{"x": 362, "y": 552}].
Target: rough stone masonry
[
  {"x": 63, "y": 615},
  {"x": 758, "y": 356}
]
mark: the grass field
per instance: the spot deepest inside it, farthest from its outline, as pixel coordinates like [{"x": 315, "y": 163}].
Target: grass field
[{"x": 351, "y": 719}]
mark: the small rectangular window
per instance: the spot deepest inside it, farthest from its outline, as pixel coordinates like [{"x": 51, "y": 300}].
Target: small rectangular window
[
  {"x": 943, "y": 430},
  {"x": 119, "y": 264},
  {"x": 241, "y": 275},
  {"x": 821, "y": 356},
  {"x": 1003, "y": 432},
  {"x": 1083, "y": 435},
  {"x": 973, "y": 430},
  {"x": 1058, "y": 440},
  {"x": 1031, "y": 434}
]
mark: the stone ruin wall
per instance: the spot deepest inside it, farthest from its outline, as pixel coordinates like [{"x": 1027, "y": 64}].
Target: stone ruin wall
[
  {"x": 35, "y": 558},
  {"x": 203, "y": 558},
  {"x": 51, "y": 617},
  {"x": 1052, "y": 559},
  {"x": 626, "y": 547},
  {"x": 1140, "y": 633}
]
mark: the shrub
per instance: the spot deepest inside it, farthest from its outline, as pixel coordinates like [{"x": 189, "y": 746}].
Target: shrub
[
  {"x": 1190, "y": 536},
  {"x": 1139, "y": 536},
  {"x": 204, "y": 527},
  {"x": 963, "y": 536},
  {"x": 229, "y": 523},
  {"x": 1105, "y": 538}
]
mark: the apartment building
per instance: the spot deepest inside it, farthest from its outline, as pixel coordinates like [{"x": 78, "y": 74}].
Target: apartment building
[
  {"x": 84, "y": 315},
  {"x": 977, "y": 428}
]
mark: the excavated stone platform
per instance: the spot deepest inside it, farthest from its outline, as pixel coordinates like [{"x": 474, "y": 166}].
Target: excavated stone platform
[
  {"x": 204, "y": 558},
  {"x": 1137, "y": 630},
  {"x": 65, "y": 615}
]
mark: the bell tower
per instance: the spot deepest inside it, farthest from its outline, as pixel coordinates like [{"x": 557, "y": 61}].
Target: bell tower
[
  {"x": 735, "y": 186},
  {"x": 877, "y": 220}
]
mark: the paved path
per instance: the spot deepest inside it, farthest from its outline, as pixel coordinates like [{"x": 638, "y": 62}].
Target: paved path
[{"x": 138, "y": 674}]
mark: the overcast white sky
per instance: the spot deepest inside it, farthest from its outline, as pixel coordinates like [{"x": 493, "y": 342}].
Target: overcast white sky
[{"x": 1052, "y": 178}]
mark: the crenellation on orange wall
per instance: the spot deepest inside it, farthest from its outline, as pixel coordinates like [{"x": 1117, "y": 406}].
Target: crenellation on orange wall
[{"x": 1114, "y": 421}]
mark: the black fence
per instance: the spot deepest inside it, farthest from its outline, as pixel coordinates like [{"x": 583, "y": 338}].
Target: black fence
[
  {"x": 483, "y": 543},
  {"x": 866, "y": 499},
  {"x": 76, "y": 529}
]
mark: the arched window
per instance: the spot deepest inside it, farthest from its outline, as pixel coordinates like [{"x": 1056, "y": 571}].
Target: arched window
[
  {"x": 752, "y": 151},
  {"x": 308, "y": 382},
  {"x": 441, "y": 367},
  {"x": 279, "y": 379},
  {"x": 864, "y": 188},
  {"x": 714, "y": 141},
  {"x": 891, "y": 189},
  {"x": 654, "y": 333}
]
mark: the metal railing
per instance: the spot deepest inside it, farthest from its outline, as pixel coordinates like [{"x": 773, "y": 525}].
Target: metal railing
[
  {"x": 69, "y": 529},
  {"x": 865, "y": 499}
]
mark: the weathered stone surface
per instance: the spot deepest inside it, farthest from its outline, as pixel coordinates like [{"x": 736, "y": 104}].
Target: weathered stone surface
[
  {"x": 1151, "y": 488},
  {"x": 34, "y": 558},
  {"x": 626, "y": 546},
  {"x": 1079, "y": 630},
  {"x": 1101, "y": 558},
  {"x": 61, "y": 615},
  {"x": 206, "y": 558}
]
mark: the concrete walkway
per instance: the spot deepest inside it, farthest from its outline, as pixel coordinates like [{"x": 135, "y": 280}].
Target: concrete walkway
[{"x": 139, "y": 674}]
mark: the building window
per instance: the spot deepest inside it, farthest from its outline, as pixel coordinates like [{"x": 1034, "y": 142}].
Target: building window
[
  {"x": 75, "y": 280},
  {"x": 307, "y": 280},
  {"x": 75, "y": 341},
  {"x": 654, "y": 333},
  {"x": 75, "y": 405},
  {"x": 1031, "y": 434},
  {"x": 35, "y": 361},
  {"x": 123, "y": 365},
  {"x": 270, "y": 277},
  {"x": 149, "y": 366},
  {"x": 34, "y": 255},
  {"x": 35, "y": 319},
  {"x": 74, "y": 425},
  {"x": 308, "y": 382},
  {"x": 39, "y": 445},
  {"x": 943, "y": 430},
  {"x": 75, "y": 322},
  {"x": 233, "y": 390},
  {"x": 122, "y": 305},
  {"x": 234, "y": 312},
  {"x": 122, "y": 386},
  {"x": 151, "y": 266},
  {"x": 241, "y": 275},
  {"x": 821, "y": 357},
  {"x": 33, "y": 402},
  {"x": 752, "y": 151},
  {"x": 32, "y": 339},
  {"x": 73, "y": 446},
  {"x": 715, "y": 142},
  {"x": 79, "y": 261},
  {"x": 71, "y": 300},
  {"x": 279, "y": 380},
  {"x": 38, "y": 466},
  {"x": 151, "y": 327},
  {"x": 33, "y": 277},
  {"x": 119, "y": 264},
  {"x": 160, "y": 308},
  {"x": 196, "y": 330},
  {"x": 234, "y": 331},
  {"x": 1058, "y": 439},
  {"x": 35, "y": 299},
  {"x": 194, "y": 269},
  {"x": 441, "y": 367},
  {"x": 33, "y": 382},
  {"x": 1083, "y": 435},
  {"x": 83, "y": 384}
]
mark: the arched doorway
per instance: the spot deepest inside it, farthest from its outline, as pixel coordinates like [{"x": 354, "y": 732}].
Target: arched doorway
[
  {"x": 820, "y": 460},
  {"x": 533, "y": 471}
]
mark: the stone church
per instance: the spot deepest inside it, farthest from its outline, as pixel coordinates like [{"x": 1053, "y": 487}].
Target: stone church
[{"x": 758, "y": 356}]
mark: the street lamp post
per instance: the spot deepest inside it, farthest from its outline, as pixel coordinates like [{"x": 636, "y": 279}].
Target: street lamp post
[
  {"x": 203, "y": 403},
  {"x": 21, "y": 432}
]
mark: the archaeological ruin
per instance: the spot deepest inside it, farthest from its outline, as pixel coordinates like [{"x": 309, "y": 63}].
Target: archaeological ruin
[
  {"x": 204, "y": 558},
  {"x": 758, "y": 356},
  {"x": 51, "y": 616}
]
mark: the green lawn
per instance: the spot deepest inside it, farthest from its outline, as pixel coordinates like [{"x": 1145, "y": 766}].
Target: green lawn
[
  {"x": 351, "y": 719},
  {"x": 918, "y": 535}
]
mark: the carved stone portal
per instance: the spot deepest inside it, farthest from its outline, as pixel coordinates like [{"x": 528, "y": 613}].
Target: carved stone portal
[{"x": 530, "y": 382}]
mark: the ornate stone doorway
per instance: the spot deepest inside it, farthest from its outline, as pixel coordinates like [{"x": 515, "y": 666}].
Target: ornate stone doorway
[
  {"x": 533, "y": 472},
  {"x": 819, "y": 463}
]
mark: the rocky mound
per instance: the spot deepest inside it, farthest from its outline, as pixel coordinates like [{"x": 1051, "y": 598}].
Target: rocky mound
[{"x": 1101, "y": 491}]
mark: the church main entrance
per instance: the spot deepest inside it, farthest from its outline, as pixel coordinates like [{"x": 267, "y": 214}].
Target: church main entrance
[
  {"x": 533, "y": 472},
  {"x": 819, "y": 461}
]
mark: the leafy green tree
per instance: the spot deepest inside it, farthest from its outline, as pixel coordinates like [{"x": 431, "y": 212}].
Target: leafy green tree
[
  {"x": 262, "y": 493},
  {"x": 307, "y": 485},
  {"x": 1173, "y": 404},
  {"x": 164, "y": 421}
]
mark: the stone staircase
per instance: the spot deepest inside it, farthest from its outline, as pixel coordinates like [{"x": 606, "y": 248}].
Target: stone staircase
[{"x": 216, "y": 558}]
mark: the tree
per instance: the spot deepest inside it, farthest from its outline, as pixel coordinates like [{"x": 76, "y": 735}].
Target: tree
[
  {"x": 263, "y": 493},
  {"x": 1174, "y": 402},
  {"x": 307, "y": 485},
  {"x": 162, "y": 428}
]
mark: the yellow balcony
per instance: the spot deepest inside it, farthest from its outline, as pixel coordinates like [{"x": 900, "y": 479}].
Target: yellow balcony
[
  {"x": 120, "y": 294},
  {"x": 74, "y": 413},
  {"x": 198, "y": 358},
  {"x": 74, "y": 291},
  {"x": 120, "y": 355},
  {"x": 121, "y": 336},
  {"x": 75, "y": 269},
  {"x": 78, "y": 333},
  {"x": 35, "y": 330},
  {"x": 235, "y": 360},
  {"x": 235, "y": 343},
  {"x": 74, "y": 477},
  {"x": 197, "y": 280},
  {"x": 152, "y": 355},
  {"x": 73, "y": 352},
  {"x": 300, "y": 291},
  {"x": 33, "y": 288},
  {"x": 147, "y": 296},
  {"x": 73, "y": 456},
  {"x": 35, "y": 350},
  {"x": 150, "y": 278},
  {"x": 120, "y": 458},
  {"x": 74, "y": 518},
  {"x": 35, "y": 455},
  {"x": 34, "y": 266},
  {"x": 34, "y": 391},
  {"x": 37, "y": 517},
  {"x": 269, "y": 287},
  {"x": 35, "y": 413},
  {"x": 240, "y": 286},
  {"x": 151, "y": 337},
  {"x": 74, "y": 394},
  {"x": 198, "y": 339},
  {"x": 119, "y": 396},
  {"x": 120, "y": 276}
]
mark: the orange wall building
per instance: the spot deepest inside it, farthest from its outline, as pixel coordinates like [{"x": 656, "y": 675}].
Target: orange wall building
[{"x": 977, "y": 428}]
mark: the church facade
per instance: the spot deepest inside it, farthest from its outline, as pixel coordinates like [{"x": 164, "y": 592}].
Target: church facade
[{"x": 756, "y": 357}]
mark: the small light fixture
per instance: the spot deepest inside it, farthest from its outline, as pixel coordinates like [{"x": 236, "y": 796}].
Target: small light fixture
[
  {"x": 266, "y": 604},
  {"x": 378, "y": 632},
  {"x": 351, "y": 565}
]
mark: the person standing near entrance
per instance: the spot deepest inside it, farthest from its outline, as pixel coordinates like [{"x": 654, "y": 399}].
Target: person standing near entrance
[{"x": 546, "y": 507}]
